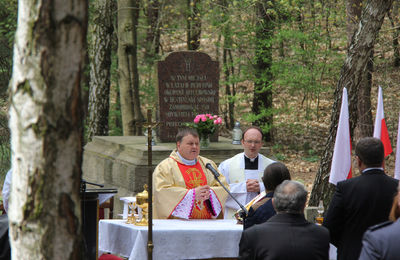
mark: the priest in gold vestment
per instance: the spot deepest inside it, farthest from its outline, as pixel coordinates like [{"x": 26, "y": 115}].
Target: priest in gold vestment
[{"x": 183, "y": 187}]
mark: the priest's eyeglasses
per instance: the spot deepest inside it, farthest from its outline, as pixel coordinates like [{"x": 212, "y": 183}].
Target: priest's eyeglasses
[{"x": 252, "y": 142}]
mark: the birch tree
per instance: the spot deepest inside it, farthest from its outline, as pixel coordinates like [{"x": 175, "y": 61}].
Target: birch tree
[
  {"x": 46, "y": 130},
  {"x": 364, "y": 115},
  {"x": 351, "y": 77}
]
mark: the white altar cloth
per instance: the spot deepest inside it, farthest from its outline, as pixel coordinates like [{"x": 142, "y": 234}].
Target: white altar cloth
[{"x": 172, "y": 239}]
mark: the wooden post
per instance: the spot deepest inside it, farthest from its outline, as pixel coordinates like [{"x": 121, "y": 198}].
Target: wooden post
[{"x": 149, "y": 124}]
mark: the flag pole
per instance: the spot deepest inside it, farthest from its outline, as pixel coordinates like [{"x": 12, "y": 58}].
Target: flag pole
[
  {"x": 341, "y": 160},
  {"x": 380, "y": 129},
  {"x": 397, "y": 163}
]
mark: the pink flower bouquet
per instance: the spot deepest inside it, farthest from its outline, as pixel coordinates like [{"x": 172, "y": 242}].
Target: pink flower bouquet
[{"x": 206, "y": 124}]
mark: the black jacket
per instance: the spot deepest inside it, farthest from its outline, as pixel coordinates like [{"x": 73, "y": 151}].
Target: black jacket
[
  {"x": 262, "y": 213},
  {"x": 357, "y": 204},
  {"x": 285, "y": 236},
  {"x": 5, "y": 250}
]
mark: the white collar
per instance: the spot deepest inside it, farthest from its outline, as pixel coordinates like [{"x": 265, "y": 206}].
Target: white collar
[
  {"x": 251, "y": 160},
  {"x": 185, "y": 161},
  {"x": 372, "y": 168}
]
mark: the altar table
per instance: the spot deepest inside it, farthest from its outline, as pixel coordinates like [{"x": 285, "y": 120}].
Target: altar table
[{"x": 172, "y": 239}]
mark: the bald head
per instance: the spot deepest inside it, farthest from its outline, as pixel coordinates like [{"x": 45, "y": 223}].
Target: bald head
[{"x": 290, "y": 197}]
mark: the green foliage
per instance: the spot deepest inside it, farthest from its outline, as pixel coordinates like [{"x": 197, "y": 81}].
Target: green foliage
[
  {"x": 8, "y": 23},
  {"x": 311, "y": 156},
  {"x": 5, "y": 150},
  {"x": 115, "y": 121},
  {"x": 280, "y": 157},
  {"x": 307, "y": 68},
  {"x": 264, "y": 113},
  {"x": 114, "y": 117},
  {"x": 303, "y": 62},
  {"x": 301, "y": 181},
  {"x": 148, "y": 85}
]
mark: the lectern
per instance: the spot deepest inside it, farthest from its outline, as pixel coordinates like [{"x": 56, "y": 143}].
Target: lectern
[{"x": 90, "y": 218}]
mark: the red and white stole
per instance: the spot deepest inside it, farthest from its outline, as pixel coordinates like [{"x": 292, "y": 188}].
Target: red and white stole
[{"x": 195, "y": 177}]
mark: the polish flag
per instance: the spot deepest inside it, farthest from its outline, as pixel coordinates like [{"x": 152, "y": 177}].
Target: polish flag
[
  {"x": 397, "y": 163},
  {"x": 341, "y": 161},
  {"x": 380, "y": 129}
]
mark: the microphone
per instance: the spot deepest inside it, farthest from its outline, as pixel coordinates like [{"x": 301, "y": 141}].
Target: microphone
[
  {"x": 214, "y": 172},
  {"x": 91, "y": 183},
  {"x": 216, "y": 175}
]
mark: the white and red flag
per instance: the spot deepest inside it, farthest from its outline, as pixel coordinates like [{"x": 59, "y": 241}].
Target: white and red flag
[
  {"x": 341, "y": 161},
  {"x": 397, "y": 163},
  {"x": 380, "y": 128}
]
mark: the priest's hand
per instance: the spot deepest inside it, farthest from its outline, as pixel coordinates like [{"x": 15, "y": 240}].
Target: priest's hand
[
  {"x": 202, "y": 192},
  {"x": 252, "y": 185}
]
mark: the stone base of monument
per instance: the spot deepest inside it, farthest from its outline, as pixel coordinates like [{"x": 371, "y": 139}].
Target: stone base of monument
[{"x": 121, "y": 162}]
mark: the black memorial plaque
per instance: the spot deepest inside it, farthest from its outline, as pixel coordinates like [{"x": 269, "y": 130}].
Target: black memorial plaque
[{"x": 187, "y": 86}]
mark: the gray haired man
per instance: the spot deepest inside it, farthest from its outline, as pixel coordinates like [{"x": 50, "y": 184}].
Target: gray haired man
[{"x": 287, "y": 235}]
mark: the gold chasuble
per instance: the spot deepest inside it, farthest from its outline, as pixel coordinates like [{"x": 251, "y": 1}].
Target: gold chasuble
[
  {"x": 194, "y": 177},
  {"x": 173, "y": 184}
]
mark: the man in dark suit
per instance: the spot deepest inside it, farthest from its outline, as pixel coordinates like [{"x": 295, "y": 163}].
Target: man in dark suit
[
  {"x": 360, "y": 202},
  {"x": 382, "y": 241},
  {"x": 262, "y": 210},
  {"x": 287, "y": 235}
]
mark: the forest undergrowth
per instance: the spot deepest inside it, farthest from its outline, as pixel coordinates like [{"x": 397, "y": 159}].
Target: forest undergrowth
[{"x": 299, "y": 141}]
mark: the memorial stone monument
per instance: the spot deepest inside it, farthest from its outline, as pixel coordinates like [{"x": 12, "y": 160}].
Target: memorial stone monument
[{"x": 187, "y": 86}]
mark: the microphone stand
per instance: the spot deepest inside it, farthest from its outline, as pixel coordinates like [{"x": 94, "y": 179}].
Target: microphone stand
[{"x": 245, "y": 212}]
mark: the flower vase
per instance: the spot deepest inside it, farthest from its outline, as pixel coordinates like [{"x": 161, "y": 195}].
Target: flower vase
[{"x": 204, "y": 141}]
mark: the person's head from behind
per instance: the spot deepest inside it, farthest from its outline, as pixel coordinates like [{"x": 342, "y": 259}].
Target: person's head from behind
[
  {"x": 252, "y": 141},
  {"x": 370, "y": 153},
  {"x": 290, "y": 197},
  {"x": 187, "y": 143},
  {"x": 275, "y": 174}
]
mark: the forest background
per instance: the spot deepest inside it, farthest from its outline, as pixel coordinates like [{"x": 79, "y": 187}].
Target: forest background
[{"x": 280, "y": 62}]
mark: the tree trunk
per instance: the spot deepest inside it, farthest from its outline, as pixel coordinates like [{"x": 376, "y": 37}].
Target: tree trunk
[
  {"x": 46, "y": 127},
  {"x": 262, "y": 99},
  {"x": 351, "y": 77},
  {"x": 193, "y": 24},
  {"x": 138, "y": 115},
  {"x": 395, "y": 32},
  {"x": 300, "y": 23},
  {"x": 228, "y": 66},
  {"x": 353, "y": 11},
  {"x": 100, "y": 55},
  {"x": 231, "y": 101},
  {"x": 128, "y": 77},
  {"x": 364, "y": 126},
  {"x": 328, "y": 20},
  {"x": 152, "y": 45}
]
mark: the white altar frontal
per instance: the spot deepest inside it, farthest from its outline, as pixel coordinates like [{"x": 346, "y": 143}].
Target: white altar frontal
[{"x": 172, "y": 239}]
